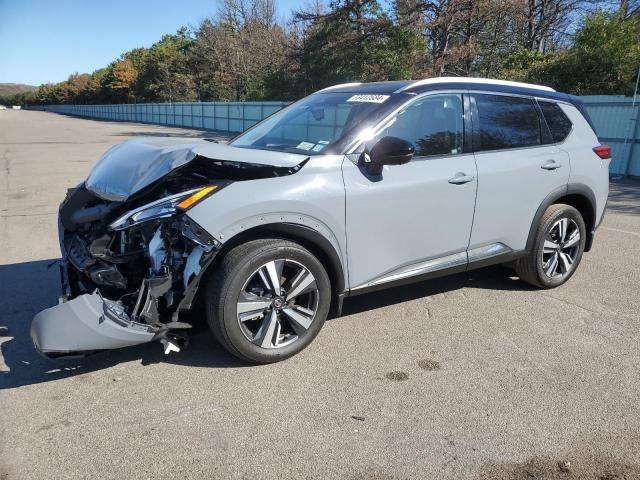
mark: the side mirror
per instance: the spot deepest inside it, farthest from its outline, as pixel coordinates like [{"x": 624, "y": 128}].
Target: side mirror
[{"x": 387, "y": 151}]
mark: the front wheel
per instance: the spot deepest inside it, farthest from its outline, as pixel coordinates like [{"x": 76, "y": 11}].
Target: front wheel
[
  {"x": 267, "y": 300},
  {"x": 557, "y": 250}
]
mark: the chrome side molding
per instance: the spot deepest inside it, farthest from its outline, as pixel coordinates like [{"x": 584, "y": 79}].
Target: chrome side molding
[{"x": 440, "y": 263}]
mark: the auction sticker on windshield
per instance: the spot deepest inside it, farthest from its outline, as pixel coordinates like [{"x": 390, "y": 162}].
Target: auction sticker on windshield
[{"x": 368, "y": 98}]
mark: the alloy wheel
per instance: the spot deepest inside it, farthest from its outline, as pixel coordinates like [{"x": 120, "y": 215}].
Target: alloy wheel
[
  {"x": 561, "y": 248},
  {"x": 277, "y": 303}
]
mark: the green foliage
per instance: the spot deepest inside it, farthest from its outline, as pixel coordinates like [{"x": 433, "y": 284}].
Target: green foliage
[
  {"x": 243, "y": 53},
  {"x": 165, "y": 73},
  {"x": 604, "y": 59},
  {"x": 518, "y": 64},
  {"x": 357, "y": 42}
]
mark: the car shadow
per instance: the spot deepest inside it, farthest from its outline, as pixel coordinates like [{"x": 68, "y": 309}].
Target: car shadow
[
  {"x": 488, "y": 278},
  {"x": 32, "y": 286}
]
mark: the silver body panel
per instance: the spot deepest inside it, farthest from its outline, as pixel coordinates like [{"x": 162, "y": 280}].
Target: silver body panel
[
  {"x": 412, "y": 221},
  {"x": 409, "y": 216},
  {"x": 586, "y": 168},
  {"x": 313, "y": 197},
  {"x": 85, "y": 324},
  {"x": 511, "y": 187}
]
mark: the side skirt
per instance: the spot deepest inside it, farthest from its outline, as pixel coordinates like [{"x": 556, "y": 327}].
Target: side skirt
[{"x": 480, "y": 257}]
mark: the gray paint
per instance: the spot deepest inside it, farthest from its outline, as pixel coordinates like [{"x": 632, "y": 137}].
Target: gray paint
[
  {"x": 586, "y": 167},
  {"x": 84, "y": 324},
  {"x": 511, "y": 186},
  {"x": 409, "y": 215},
  {"x": 314, "y": 197}
]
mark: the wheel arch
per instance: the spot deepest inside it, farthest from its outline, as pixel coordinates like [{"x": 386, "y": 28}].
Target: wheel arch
[
  {"x": 309, "y": 238},
  {"x": 577, "y": 195}
]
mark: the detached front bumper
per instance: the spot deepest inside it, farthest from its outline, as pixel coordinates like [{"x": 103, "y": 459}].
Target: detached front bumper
[
  {"x": 122, "y": 288},
  {"x": 86, "y": 324}
]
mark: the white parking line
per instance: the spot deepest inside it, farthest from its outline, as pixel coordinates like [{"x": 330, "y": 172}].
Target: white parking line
[
  {"x": 4, "y": 368},
  {"x": 621, "y": 231}
]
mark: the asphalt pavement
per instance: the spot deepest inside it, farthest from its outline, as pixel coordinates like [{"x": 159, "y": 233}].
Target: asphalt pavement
[{"x": 473, "y": 376}]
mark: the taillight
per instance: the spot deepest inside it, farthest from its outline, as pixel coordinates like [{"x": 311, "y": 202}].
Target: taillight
[{"x": 603, "y": 151}]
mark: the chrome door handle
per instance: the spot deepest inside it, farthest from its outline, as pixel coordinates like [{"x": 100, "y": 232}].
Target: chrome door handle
[
  {"x": 550, "y": 165},
  {"x": 460, "y": 178}
]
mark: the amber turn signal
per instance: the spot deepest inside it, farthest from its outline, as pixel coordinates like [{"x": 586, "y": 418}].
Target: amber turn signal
[{"x": 201, "y": 194}]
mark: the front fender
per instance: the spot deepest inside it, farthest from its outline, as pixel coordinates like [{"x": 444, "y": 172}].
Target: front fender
[{"x": 313, "y": 199}]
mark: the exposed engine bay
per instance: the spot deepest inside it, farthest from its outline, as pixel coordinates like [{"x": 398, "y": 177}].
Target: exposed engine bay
[
  {"x": 130, "y": 268},
  {"x": 142, "y": 271}
]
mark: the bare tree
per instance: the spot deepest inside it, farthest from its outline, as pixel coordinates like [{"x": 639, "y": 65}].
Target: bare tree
[
  {"x": 629, "y": 8},
  {"x": 242, "y": 44}
]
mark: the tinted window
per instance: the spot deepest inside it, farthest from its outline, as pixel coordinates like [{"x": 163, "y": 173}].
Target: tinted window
[
  {"x": 507, "y": 122},
  {"x": 433, "y": 124},
  {"x": 559, "y": 124}
]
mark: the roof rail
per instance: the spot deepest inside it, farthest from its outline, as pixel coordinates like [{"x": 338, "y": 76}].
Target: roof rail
[
  {"x": 436, "y": 80},
  {"x": 352, "y": 84}
]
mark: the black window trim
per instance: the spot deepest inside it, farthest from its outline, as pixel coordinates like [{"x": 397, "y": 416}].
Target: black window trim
[
  {"x": 474, "y": 115},
  {"x": 557, "y": 102},
  {"x": 471, "y": 137},
  {"x": 546, "y": 138},
  {"x": 476, "y": 126}
]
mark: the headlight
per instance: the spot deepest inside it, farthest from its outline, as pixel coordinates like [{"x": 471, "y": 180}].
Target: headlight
[{"x": 163, "y": 208}]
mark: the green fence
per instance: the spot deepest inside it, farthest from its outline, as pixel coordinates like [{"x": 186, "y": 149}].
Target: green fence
[
  {"x": 616, "y": 119},
  {"x": 231, "y": 117}
]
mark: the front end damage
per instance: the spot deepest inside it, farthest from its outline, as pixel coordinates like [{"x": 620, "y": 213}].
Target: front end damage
[
  {"x": 121, "y": 284},
  {"x": 131, "y": 264}
]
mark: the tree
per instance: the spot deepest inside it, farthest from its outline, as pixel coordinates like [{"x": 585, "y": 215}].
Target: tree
[
  {"x": 165, "y": 73},
  {"x": 244, "y": 53},
  {"x": 239, "y": 49},
  {"x": 355, "y": 41},
  {"x": 629, "y": 9},
  {"x": 120, "y": 79},
  {"x": 604, "y": 58}
]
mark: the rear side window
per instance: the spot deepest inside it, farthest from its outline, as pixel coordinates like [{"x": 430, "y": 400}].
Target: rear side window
[
  {"x": 558, "y": 123},
  {"x": 507, "y": 122}
]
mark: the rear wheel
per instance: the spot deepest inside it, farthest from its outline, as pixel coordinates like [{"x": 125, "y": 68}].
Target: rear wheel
[
  {"x": 557, "y": 250},
  {"x": 267, "y": 300}
]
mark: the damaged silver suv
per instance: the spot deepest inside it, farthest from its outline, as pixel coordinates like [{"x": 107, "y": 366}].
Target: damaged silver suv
[{"x": 355, "y": 188}]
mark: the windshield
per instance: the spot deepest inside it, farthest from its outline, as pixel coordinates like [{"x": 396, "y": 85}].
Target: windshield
[{"x": 312, "y": 124}]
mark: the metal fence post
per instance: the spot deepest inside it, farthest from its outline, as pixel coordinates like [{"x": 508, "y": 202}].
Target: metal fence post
[{"x": 633, "y": 136}]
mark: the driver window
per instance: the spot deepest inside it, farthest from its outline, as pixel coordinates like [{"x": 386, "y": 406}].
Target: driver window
[{"x": 434, "y": 124}]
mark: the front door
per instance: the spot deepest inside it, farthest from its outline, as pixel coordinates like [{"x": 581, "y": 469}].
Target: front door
[{"x": 415, "y": 218}]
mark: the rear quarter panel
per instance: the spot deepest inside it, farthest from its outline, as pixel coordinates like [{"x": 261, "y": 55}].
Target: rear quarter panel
[{"x": 586, "y": 167}]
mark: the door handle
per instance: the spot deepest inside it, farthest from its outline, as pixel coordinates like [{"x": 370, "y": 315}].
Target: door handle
[
  {"x": 550, "y": 165},
  {"x": 460, "y": 178}
]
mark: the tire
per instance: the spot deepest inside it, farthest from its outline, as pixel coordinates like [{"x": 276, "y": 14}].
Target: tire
[
  {"x": 265, "y": 326},
  {"x": 539, "y": 268}
]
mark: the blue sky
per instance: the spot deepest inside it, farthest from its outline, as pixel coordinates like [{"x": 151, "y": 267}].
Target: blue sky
[{"x": 46, "y": 40}]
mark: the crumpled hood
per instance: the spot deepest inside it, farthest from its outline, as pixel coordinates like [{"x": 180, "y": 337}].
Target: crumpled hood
[{"x": 130, "y": 166}]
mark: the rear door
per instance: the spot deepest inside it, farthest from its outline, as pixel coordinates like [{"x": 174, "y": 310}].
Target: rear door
[{"x": 518, "y": 166}]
